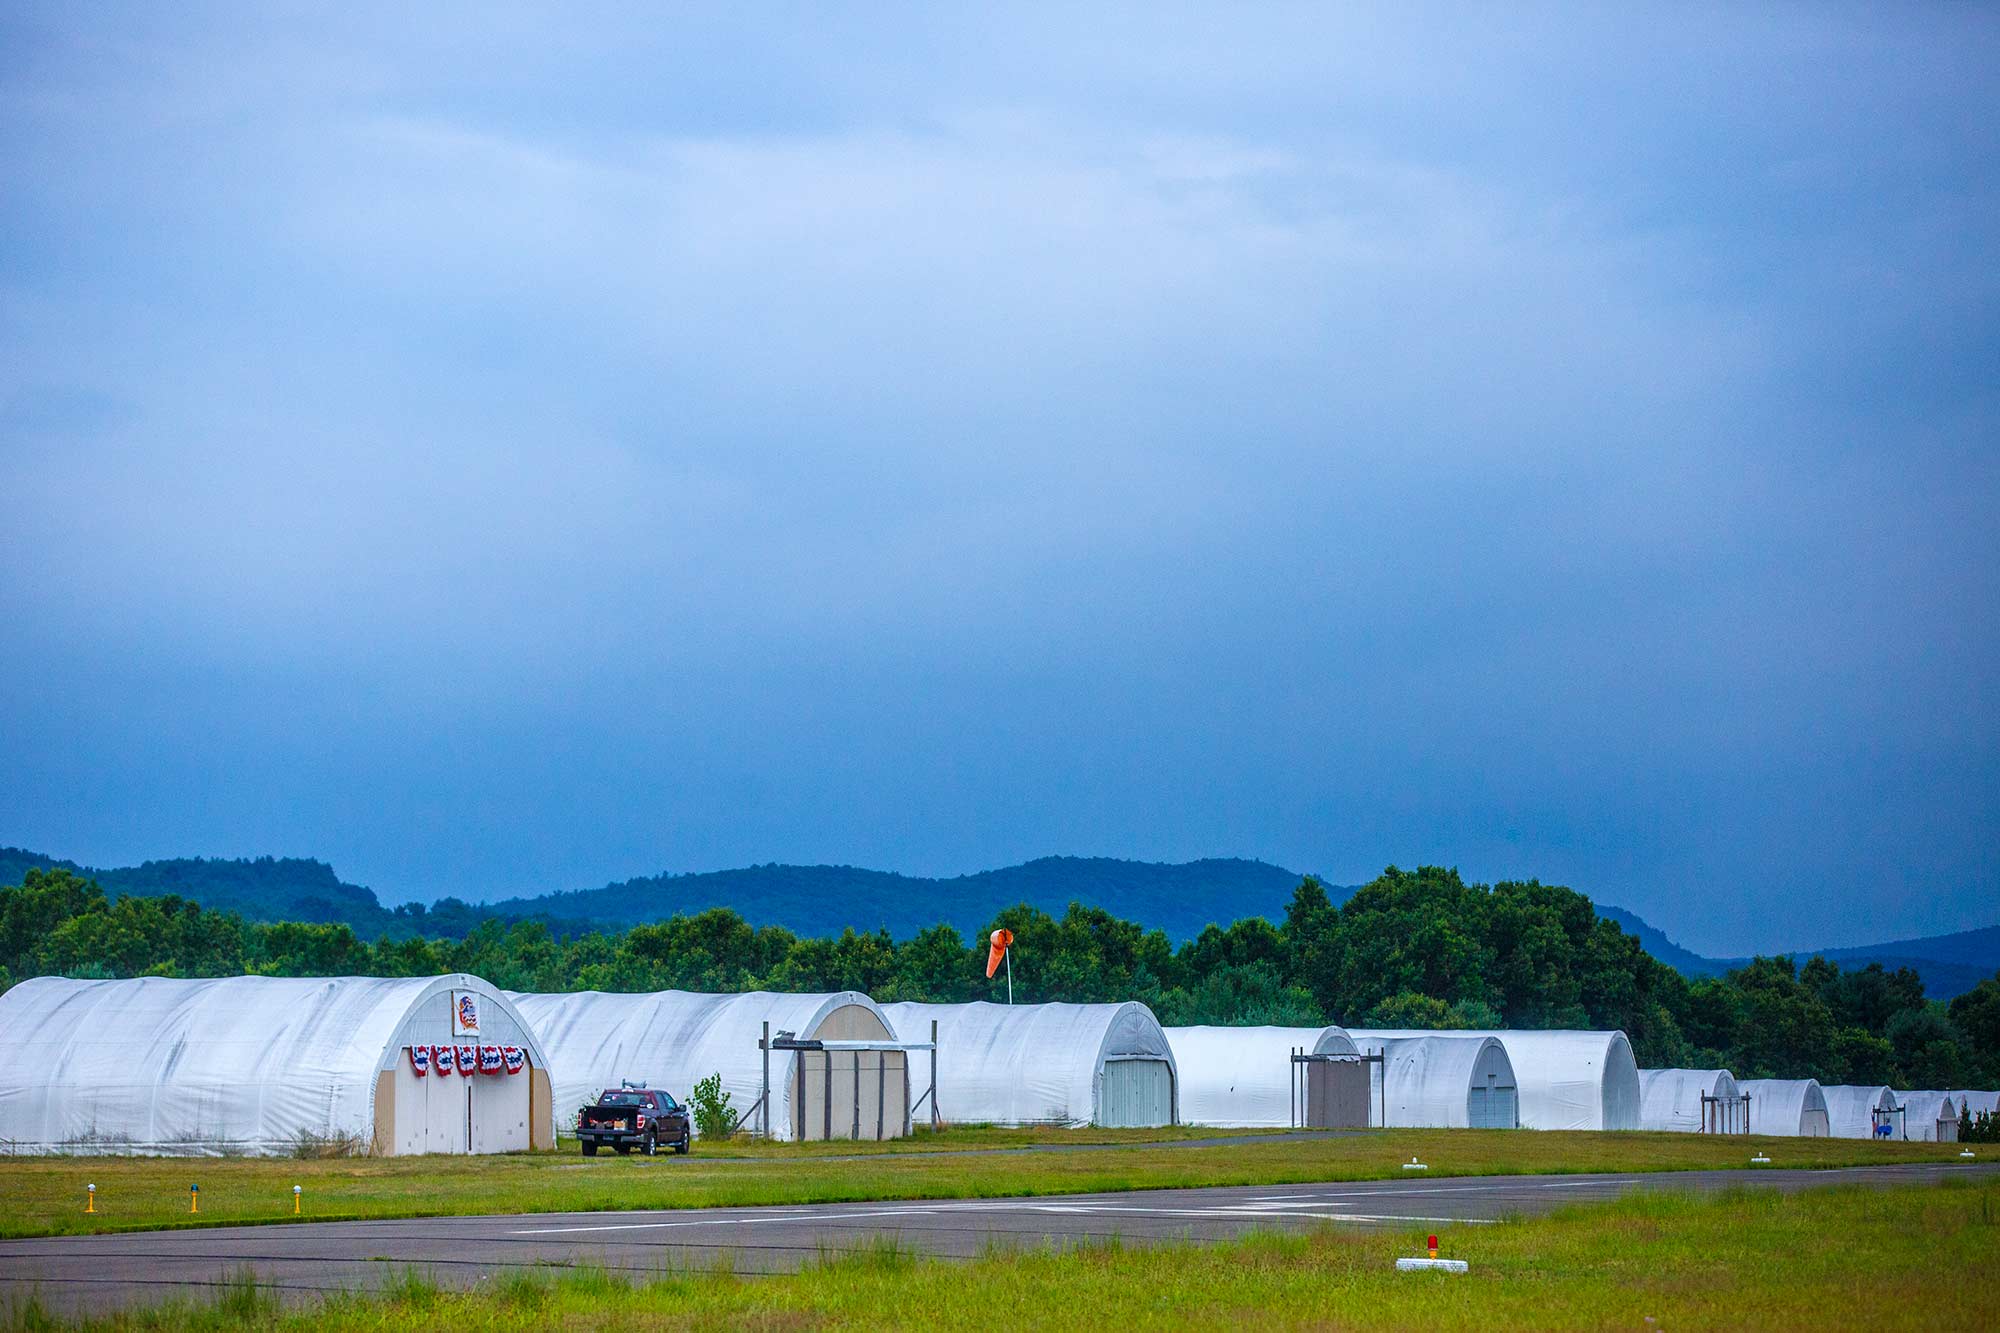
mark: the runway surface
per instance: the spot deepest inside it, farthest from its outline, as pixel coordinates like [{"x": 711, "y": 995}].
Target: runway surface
[{"x": 95, "y": 1274}]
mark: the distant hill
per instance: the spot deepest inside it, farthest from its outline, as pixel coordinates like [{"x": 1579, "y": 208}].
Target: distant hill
[
  {"x": 809, "y": 900},
  {"x": 1949, "y": 964},
  {"x": 264, "y": 889},
  {"x": 1656, "y": 943},
  {"x": 823, "y": 900}
]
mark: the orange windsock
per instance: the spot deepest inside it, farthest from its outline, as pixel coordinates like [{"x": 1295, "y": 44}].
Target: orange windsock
[{"x": 1000, "y": 939}]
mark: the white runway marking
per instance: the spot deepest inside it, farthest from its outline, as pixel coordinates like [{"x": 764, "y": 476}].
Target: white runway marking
[
  {"x": 1178, "y": 1212},
  {"x": 726, "y": 1221}
]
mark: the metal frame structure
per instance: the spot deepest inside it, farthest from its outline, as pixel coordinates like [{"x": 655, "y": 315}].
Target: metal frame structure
[
  {"x": 1301, "y": 1056},
  {"x": 786, "y": 1041},
  {"x": 1725, "y": 1115}
]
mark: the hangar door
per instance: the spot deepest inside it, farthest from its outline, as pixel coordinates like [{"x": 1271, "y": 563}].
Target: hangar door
[
  {"x": 1493, "y": 1106},
  {"x": 452, "y": 1113},
  {"x": 1336, "y": 1094},
  {"x": 846, "y": 1094},
  {"x": 1137, "y": 1094}
]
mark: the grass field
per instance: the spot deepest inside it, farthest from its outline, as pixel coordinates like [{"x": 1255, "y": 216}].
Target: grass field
[
  {"x": 1907, "y": 1257},
  {"x": 45, "y": 1195}
]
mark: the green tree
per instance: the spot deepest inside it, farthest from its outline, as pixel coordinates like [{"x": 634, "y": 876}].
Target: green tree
[
  {"x": 1411, "y": 1009},
  {"x": 1976, "y": 1014},
  {"x": 1928, "y": 1049}
]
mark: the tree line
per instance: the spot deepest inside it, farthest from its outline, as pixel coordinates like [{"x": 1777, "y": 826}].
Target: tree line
[{"x": 1413, "y": 948}]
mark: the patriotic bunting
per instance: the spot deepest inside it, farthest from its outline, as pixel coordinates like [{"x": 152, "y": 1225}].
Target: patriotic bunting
[{"x": 468, "y": 1060}]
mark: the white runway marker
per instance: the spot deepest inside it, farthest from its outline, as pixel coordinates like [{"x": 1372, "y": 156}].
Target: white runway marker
[{"x": 724, "y": 1221}]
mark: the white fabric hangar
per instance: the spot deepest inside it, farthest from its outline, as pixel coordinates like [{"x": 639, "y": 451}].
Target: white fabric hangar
[
  {"x": 1243, "y": 1077},
  {"x": 1854, "y": 1112},
  {"x": 673, "y": 1039},
  {"x": 1063, "y": 1064},
  {"x": 1929, "y": 1116},
  {"x": 1671, "y": 1099},
  {"x": 1568, "y": 1079},
  {"x": 1441, "y": 1081},
  {"x": 266, "y": 1064},
  {"x": 1793, "y": 1107}
]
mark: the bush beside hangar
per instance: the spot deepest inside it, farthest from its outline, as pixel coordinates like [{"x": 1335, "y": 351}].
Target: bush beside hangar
[
  {"x": 1690, "y": 1101},
  {"x": 267, "y": 1064},
  {"x": 673, "y": 1039},
  {"x": 1568, "y": 1079},
  {"x": 1792, "y": 1107},
  {"x": 1066, "y": 1064},
  {"x": 1244, "y": 1077}
]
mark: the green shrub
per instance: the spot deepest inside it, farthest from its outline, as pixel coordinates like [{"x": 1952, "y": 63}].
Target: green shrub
[{"x": 714, "y": 1117}]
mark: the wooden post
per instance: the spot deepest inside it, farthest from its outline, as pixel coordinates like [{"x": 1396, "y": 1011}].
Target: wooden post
[
  {"x": 826, "y": 1060},
  {"x": 881, "y": 1093},
  {"x": 765, "y": 1047},
  {"x": 1293, "y": 1108},
  {"x": 857, "y": 1097},
  {"x": 935, "y": 1119}
]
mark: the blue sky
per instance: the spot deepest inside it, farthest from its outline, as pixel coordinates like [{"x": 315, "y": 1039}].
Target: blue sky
[{"x": 498, "y": 454}]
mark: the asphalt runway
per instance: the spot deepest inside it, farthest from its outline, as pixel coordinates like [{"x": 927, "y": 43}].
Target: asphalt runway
[{"x": 73, "y": 1275}]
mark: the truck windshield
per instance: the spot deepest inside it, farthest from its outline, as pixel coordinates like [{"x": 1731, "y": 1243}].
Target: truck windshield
[{"x": 624, "y": 1099}]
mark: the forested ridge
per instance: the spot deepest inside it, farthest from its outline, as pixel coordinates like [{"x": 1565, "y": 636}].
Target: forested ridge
[
  {"x": 1412, "y": 948},
  {"x": 807, "y": 899}
]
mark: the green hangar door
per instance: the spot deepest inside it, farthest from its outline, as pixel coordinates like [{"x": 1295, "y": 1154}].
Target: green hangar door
[{"x": 1138, "y": 1094}]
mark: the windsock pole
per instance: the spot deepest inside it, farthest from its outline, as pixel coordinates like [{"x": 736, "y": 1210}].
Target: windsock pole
[{"x": 1002, "y": 942}]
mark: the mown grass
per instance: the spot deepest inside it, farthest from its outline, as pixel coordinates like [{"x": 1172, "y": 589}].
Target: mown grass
[
  {"x": 45, "y": 1196},
  {"x": 1905, "y": 1257}
]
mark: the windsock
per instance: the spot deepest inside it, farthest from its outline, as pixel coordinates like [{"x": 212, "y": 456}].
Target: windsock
[{"x": 1001, "y": 939}]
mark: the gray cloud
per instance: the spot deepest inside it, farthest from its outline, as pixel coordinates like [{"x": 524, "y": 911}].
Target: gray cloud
[{"x": 498, "y": 458}]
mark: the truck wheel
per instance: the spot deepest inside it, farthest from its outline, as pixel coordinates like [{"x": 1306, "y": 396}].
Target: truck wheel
[
  {"x": 683, "y": 1146},
  {"x": 652, "y": 1145},
  {"x": 589, "y": 1149}
]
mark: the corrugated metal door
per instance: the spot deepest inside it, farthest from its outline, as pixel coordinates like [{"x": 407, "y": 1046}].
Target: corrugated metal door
[
  {"x": 499, "y": 1112},
  {"x": 1336, "y": 1094},
  {"x": 447, "y": 1108},
  {"x": 1492, "y": 1108},
  {"x": 412, "y": 1109},
  {"x": 850, "y": 1095},
  {"x": 1137, "y": 1094}
]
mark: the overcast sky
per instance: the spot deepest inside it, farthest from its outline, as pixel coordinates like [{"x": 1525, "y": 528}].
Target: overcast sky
[{"x": 497, "y": 454}]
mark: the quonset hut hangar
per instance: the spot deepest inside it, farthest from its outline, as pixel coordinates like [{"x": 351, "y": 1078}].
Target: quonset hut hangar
[
  {"x": 1246, "y": 1077},
  {"x": 268, "y": 1065},
  {"x": 1568, "y": 1079},
  {"x": 1063, "y": 1064},
  {"x": 672, "y": 1039}
]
